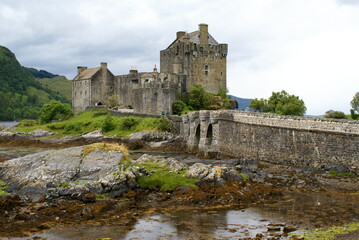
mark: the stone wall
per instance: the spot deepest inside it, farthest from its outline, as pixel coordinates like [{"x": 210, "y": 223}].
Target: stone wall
[{"x": 298, "y": 141}]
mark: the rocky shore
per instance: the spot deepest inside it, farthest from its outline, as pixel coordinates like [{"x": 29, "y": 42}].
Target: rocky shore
[{"x": 78, "y": 183}]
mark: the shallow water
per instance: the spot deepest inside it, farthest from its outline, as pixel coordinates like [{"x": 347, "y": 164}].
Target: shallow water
[
  {"x": 8, "y": 124},
  {"x": 303, "y": 210},
  {"x": 15, "y": 152}
]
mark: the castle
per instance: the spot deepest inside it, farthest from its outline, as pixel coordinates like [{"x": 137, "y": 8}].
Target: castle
[{"x": 192, "y": 58}]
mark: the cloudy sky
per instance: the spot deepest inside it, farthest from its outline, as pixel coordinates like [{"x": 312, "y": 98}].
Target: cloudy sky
[{"x": 309, "y": 48}]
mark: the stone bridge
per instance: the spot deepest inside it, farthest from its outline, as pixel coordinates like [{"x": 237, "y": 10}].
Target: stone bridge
[{"x": 298, "y": 141}]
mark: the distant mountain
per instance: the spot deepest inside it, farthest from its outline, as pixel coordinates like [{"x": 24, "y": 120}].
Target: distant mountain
[
  {"x": 59, "y": 84},
  {"x": 243, "y": 103},
  {"x": 21, "y": 96},
  {"x": 40, "y": 73}
]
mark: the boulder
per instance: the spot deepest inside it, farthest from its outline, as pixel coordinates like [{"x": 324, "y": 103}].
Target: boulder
[
  {"x": 152, "y": 136},
  {"x": 209, "y": 173},
  {"x": 172, "y": 163},
  {"x": 65, "y": 172},
  {"x": 94, "y": 134},
  {"x": 41, "y": 133}
]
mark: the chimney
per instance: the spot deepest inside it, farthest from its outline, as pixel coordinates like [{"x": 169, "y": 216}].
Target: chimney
[
  {"x": 133, "y": 70},
  {"x": 203, "y": 34},
  {"x": 180, "y": 34},
  {"x": 80, "y": 69},
  {"x": 104, "y": 65}
]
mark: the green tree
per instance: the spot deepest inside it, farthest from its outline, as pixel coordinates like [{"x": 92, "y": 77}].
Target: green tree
[
  {"x": 54, "y": 110},
  {"x": 178, "y": 106},
  {"x": 284, "y": 104},
  {"x": 335, "y": 114},
  {"x": 198, "y": 98},
  {"x": 355, "y": 102},
  {"x": 260, "y": 105},
  {"x": 113, "y": 101}
]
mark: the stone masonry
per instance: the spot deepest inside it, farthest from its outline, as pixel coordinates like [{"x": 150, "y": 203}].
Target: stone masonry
[{"x": 296, "y": 141}]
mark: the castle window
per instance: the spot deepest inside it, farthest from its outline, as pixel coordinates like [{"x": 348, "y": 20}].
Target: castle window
[
  {"x": 206, "y": 70},
  {"x": 177, "y": 50}
]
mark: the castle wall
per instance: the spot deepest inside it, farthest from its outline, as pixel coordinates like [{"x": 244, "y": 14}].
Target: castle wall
[
  {"x": 296, "y": 141},
  {"x": 102, "y": 86},
  {"x": 148, "y": 92},
  {"x": 81, "y": 94}
]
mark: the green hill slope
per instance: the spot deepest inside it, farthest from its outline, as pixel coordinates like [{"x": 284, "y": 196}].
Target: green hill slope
[
  {"x": 59, "y": 84},
  {"x": 21, "y": 96}
]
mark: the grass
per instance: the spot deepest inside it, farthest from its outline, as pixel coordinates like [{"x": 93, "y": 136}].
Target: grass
[
  {"x": 161, "y": 178},
  {"x": 3, "y": 186},
  {"x": 101, "y": 196},
  {"x": 331, "y": 233},
  {"x": 244, "y": 176},
  {"x": 334, "y": 174},
  {"x": 105, "y": 147},
  {"x": 93, "y": 120}
]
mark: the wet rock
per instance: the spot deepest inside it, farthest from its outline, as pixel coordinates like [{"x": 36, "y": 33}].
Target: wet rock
[
  {"x": 94, "y": 134},
  {"x": 172, "y": 163},
  {"x": 41, "y": 133},
  {"x": 4, "y": 133},
  {"x": 280, "y": 224},
  {"x": 208, "y": 173},
  {"x": 273, "y": 228},
  {"x": 289, "y": 229},
  {"x": 152, "y": 136},
  {"x": 88, "y": 197}
]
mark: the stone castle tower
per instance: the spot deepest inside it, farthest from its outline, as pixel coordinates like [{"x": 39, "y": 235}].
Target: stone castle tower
[
  {"x": 199, "y": 57},
  {"x": 192, "y": 58}
]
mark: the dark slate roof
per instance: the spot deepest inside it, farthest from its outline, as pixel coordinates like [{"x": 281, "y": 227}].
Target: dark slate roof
[{"x": 194, "y": 38}]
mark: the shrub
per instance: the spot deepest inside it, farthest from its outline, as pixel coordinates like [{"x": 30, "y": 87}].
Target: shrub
[
  {"x": 108, "y": 124},
  {"x": 54, "y": 110},
  {"x": 100, "y": 113},
  {"x": 335, "y": 114},
  {"x": 130, "y": 122},
  {"x": 164, "y": 125},
  {"x": 27, "y": 123},
  {"x": 178, "y": 106}
]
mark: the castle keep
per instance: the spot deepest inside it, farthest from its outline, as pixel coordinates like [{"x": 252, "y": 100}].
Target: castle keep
[{"x": 192, "y": 58}]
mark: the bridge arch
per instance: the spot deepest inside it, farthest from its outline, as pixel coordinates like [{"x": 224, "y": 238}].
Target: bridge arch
[
  {"x": 209, "y": 135},
  {"x": 197, "y": 136}
]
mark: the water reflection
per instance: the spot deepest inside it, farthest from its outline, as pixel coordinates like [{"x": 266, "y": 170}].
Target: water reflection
[{"x": 303, "y": 210}]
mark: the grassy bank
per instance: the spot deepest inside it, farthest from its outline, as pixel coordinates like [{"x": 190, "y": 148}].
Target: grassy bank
[
  {"x": 93, "y": 120},
  {"x": 163, "y": 178},
  {"x": 329, "y": 234},
  {"x": 3, "y": 186}
]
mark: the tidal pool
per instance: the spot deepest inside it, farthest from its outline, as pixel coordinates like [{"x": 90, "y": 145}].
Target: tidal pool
[{"x": 306, "y": 210}]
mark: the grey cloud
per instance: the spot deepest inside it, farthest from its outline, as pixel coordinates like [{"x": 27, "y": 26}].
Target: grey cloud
[{"x": 348, "y": 2}]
